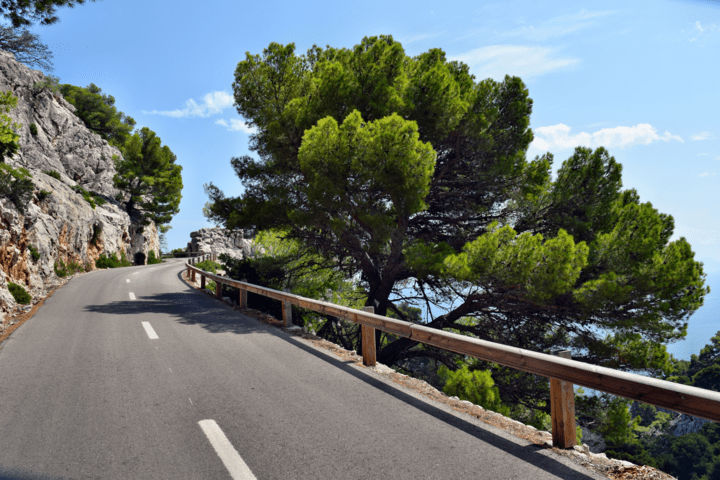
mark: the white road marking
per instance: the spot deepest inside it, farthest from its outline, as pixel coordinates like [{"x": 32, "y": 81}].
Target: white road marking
[
  {"x": 150, "y": 332},
  {"x": 132, "y": 296},
  {"x": 170, "y": 369},
  {"x": 127, "y": 280},
  {"x": 230, "y": 457},
  {"x": 191, "y": 403},
  {"x": 136, "y": 273}
]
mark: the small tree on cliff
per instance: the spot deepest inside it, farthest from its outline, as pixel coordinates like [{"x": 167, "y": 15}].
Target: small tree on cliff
[
  {"x": 26, "y": 47},
  {"x": 509, "y": 254},
  {"x": 98, "y": 112},
  {"x": 148, "y": 173}
]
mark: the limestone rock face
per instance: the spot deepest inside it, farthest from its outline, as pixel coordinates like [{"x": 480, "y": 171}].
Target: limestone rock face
[
  {"x": 61, "y": 226},
  {"x": 217, "y": 240}
]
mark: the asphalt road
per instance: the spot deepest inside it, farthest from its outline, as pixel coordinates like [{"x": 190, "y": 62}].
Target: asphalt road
[{"x": 86, "y": 393}]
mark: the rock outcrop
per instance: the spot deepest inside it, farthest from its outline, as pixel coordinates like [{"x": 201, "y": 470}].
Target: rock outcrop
[
  {"x": 218, "y": 240},
  {"x": 58, "y": 223}
]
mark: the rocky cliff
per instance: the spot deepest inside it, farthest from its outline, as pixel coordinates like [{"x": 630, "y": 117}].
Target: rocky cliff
[
  {"x": 218, "y": 240},
  {"x": 62, "y": 226}
]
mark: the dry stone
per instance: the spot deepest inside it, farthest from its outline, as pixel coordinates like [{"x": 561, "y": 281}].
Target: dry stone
[{"x": 218, "y": 240}]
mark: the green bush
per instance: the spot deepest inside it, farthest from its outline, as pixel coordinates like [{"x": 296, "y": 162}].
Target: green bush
[
  {"x": 19, "y": 293},
  {"x": 209, "y": 266},
  {"x": 475, "y": 386},
  {"x": 15, "y": 185},
  {"x": 52, "y": 173},
  {"x": 97, "y": 229},
  {"x": 42, "y": 195},
  {"x": 34, "y": 252},
  {"x": 33, "y": 129},
  {"x": 109, "y": 261},
  {"x": 152, "y": 259},
  {"x": 124, "y": 262},
  {"x": 63, "y": 270},
  {"x": 49, "y": 83}
]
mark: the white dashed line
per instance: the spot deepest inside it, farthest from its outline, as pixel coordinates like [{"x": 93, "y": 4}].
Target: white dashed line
[
  {"x": 191, "y": 403},
  {"x": 150, "y": 332},
  {"x": 127, "y": 280},
  {"x": 132, "y": 296},
  {"x": 136, "y": 273},
  {"x": 230, "y": 457}
]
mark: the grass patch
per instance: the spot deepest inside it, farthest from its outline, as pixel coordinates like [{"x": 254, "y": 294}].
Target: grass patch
[
  {"x": 91, "y": 197},
  {"x": 112, "y": 261},
  {"x": 52, "y": 173},
  {"x": 152, "y": 259}
]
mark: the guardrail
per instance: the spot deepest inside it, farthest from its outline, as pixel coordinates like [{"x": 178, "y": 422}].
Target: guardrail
[{"x": 562, "y": 371}]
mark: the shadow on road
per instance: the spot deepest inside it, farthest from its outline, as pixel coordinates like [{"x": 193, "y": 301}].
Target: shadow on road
[{"x": 195, "y": 308}]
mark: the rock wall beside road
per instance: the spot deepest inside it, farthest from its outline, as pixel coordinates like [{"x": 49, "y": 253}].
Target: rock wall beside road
[{"x": 61, "y": 226}]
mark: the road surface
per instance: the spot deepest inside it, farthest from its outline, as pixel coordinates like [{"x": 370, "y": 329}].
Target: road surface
[{"x": 129, "y": 373}]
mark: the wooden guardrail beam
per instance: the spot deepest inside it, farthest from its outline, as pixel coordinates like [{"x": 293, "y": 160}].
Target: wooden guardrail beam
[{"x": 680, "y": 398}]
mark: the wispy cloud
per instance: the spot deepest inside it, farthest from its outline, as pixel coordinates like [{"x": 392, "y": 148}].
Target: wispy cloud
[
  {"x": 212, "y": 104},
  {"x": 558, "y": 136},
  {"x": 702, "y": 136},
  {"x": 496, "y": 61},
  {"x": 236, "y": 125},
  {"x": 703, "y": 154},
  {"x": 699, "y": 31},
  {"x": 707, "y": 174},
  {"x": 558, "y": 26}
]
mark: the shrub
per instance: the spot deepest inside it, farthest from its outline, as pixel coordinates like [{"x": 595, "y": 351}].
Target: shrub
[
  {"x": 152, "y": 259},
  {"x": 178, "y": 252},
  {"x": 475, "y": 386},
  {"x": 97, "y": 229},
  {"x": 19, "y": 293},
  {"x": 209, "y": 266},
  {"x": 52, "y": 173},
  {"x": 124, "y": 262},
  {"x": 92, "y": 198},
  {"x": 42, "y": 195},
  {"x": 15, "y": 185},
  {"x": 109, "y": 261},
  {"x": 33, "y": 129},
  {"x": 49, "y": 83},
  {"x": 63, "y": 270},
  {"x": 34, "y": 252}
]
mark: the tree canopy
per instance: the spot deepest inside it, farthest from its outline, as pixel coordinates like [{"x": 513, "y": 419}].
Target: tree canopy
[
  {"x": 411, "y": 175},
  {"x": 27, "y": 12},
  {"x": 147, "y": 171},
  {"x": 26, "y": 47},
  {"x": 97, "y": 110}
]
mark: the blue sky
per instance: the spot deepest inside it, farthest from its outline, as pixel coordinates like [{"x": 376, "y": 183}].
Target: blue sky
[{"x": 639, "y": 78}]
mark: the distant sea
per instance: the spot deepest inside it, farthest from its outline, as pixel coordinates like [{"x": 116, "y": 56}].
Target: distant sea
[{"x": 703, "y": 324}]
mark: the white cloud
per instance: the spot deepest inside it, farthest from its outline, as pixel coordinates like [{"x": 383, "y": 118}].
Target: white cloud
[
  {"x": 496, "y": 61},
  {"x": 706, "y": 174},
  {"x": 703, "y": 154},
  {"x": 213, "y": 103},
  {"x": 558, "y": 136},
  {"x": 558, "y": 26},
  {"x": 702, "y": 136},
  {"x": 236, "y": 125}
]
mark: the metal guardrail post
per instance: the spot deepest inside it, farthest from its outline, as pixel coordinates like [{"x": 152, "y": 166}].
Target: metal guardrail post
[
  {"x": 287, "y": 311},
  {"x": 562, "y": 408},
  {"x": 368, "y": 341}
]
